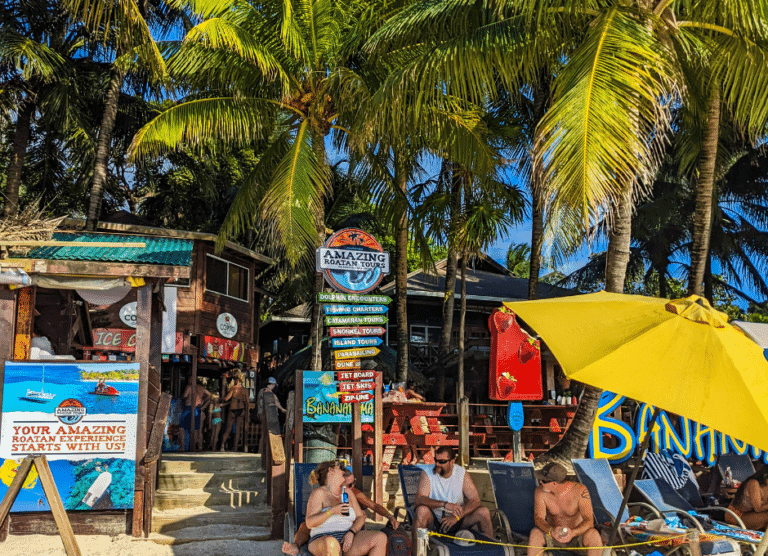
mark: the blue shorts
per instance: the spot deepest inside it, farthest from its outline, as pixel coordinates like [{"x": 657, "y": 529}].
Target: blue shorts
[
  {"x": 338, "y": 535},
  {"x": 186, "y": 418}
]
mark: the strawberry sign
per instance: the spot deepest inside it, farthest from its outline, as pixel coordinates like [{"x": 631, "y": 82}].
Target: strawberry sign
[{"x": 515, "y": 365}]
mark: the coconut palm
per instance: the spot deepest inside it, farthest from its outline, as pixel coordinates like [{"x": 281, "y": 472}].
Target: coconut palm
[{"x": 120, "y": 33}]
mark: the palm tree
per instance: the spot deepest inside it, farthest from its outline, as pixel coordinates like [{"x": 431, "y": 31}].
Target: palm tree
[
  {"x": 120, "y": 33},
  {"x": 519, "y": 259}
]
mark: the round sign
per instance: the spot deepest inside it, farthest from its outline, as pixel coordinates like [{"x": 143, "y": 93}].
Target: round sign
[
  {"x": 227, "y": 325},
  {"x": 353, "y": 261},
  {"x": 127, "y": 314}
]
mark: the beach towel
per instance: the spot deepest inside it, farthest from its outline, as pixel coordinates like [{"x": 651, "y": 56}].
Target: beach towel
[{"x": 670, "y": 467}]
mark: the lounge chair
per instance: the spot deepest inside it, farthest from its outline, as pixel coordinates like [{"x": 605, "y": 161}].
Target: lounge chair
[
  {"x": 410, "y": 475},
  {"x": 606, "y": 496},
  {"x": 667, "y": 501},
  {"x": 513, "y": 487},
  {"x": 740, "y": 464},
  {"x": 301, "y": 491}
]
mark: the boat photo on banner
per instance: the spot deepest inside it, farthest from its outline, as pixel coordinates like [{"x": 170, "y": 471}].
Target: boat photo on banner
[{"x": 82, "y": 417}]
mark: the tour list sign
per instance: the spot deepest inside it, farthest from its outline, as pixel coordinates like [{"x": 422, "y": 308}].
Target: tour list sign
[{"x": 82, "y": 417}]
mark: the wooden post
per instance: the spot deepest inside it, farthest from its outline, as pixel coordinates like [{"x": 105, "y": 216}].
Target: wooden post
[
  {"x": 298, "y": 419},
  {"x": 192, "y": 433},
  {"x": 463, "y": 431},
  {"x": 378, "y": 450},
  {"x": 143, "y": 348},
  {"x": 288, "y": 439},
  {"x": 25, "y": 311},
  {"x": 357, "y": 443}
]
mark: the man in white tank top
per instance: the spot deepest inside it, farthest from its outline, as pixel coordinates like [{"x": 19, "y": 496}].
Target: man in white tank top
[{"x": 447, "y": 497}]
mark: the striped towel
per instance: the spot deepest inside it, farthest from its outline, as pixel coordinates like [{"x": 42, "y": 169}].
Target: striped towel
[{"x": 670, "y": 467}]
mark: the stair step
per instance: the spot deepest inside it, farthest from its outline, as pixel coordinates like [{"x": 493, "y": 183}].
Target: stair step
[
  {"x": 168, "y": 521},
  {"x": 208, "y": 462},
  {"x": 215, "y": 496},
  {"x": 227, "y": 479}
]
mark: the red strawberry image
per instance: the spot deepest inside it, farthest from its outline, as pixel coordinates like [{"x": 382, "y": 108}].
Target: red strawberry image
[
  {"x": 528, "y": 348},
  {"x": 505, "y": 384}
]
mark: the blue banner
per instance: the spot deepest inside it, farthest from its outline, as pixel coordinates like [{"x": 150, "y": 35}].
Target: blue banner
[
  {"x": 82, "y": 417},
  {"x": 321, "y": 400}
]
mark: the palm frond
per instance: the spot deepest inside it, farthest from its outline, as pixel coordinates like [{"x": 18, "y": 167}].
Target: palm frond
[{"x": 32, "y": 58}]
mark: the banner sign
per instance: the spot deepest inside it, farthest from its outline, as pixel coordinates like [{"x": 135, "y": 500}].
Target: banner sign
[
  {"x": 363, "y": 319},
  {"x": 340, "y": 364},
  {"x": 678, "y": 434},
  {"x": 355, "y": 342},
  {"x": 85, "y": 427},
  {"x": 355, "y": 309},
  {"x": 355, "y": 353},
  {"x": 352, "y": 261},
  {"x": 221, "y": 348},
  {"x": 119, "y": 339},
  {"x": 322, "y": 401},
  {"x": 336, "y": 297},
  {"x": 358, "y": 397},
  {"x": 338, "y": 331}
]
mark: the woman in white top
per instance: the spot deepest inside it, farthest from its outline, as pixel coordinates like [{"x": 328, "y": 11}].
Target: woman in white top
[{"x": 333, "y": 533}]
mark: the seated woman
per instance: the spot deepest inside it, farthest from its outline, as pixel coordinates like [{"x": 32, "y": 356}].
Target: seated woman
[
  {"x": 751, "y": 501},
  {"x": 302, "y": 534},
  {"x": 331, "y": 532}
]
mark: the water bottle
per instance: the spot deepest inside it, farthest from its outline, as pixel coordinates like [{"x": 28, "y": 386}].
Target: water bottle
[{"x": 344, "y": 500}]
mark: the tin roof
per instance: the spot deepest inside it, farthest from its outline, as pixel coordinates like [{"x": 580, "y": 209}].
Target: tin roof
[{"x": 158, "y": 250}]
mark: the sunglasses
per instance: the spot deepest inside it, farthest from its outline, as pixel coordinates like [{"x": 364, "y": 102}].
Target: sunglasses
[{"x": 442, "y": 461}]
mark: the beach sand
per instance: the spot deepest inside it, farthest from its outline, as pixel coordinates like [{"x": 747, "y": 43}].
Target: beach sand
[{"x": 125, "y": 545}]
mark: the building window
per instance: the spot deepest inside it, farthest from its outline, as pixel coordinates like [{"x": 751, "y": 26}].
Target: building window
[{"x": 226, "y": 278}]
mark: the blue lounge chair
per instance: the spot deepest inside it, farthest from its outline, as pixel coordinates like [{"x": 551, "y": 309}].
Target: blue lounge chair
[
  {"x": 410, "y": 475},
  {"x": 740, "y": 464},
  {"x": 668, "y": 501},
  {"x": 513, "y": 487},
  {"x": 606, "y": 496}
]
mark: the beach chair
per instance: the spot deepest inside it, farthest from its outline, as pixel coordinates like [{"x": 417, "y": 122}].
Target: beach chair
[
  {"x": 740, "y": 464},
  {"x": 301, "y": 491},
  {"x": 667, "y": 501},
  {"x": 513, "y": 487},
  {"x": 410, "y": 475},
  {"x": 606, "y": 497}
]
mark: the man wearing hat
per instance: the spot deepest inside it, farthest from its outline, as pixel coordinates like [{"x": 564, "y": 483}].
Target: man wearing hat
[
  {"x": 562, "y": 511},
  {"x": 265, "y": 398}
]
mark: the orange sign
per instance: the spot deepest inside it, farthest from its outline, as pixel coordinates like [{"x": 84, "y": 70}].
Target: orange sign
[
  {"x": 356, "y": 375},
  {"x": 356, "y": 386},
  {"x": 340, "y": 364},
  {"x": 359, "y": 397}
]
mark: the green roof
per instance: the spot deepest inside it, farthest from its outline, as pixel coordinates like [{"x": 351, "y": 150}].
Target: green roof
[{"x": 158, "y": 250}]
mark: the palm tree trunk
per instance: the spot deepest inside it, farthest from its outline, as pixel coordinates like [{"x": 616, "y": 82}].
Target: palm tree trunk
[
  {"x": 316, "y": 326},
  {"x": 709, "y": 282},
  {"x": 663, "y": 289},
  {"x": 574, "y": 442},
  {"x": 18, "y": 154},
  {"x": 462, "y": 326},
  {"x": 102, "y": 148},
  {"x": 449, "y": 299},
  {"x": 537, "y": 241},
  {"x": 705, "y": 188},
  {"x": 401, "y": 275}
]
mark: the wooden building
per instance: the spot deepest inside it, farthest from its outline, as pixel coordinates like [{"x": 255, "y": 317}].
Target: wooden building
[{"x": 161, "y": 298}]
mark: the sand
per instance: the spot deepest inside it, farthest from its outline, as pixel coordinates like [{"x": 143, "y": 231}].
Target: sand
[{"x": 124, "y": 545}]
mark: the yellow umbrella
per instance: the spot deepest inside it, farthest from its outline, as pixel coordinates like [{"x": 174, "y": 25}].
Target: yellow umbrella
[{"x": 681, "y": 356}]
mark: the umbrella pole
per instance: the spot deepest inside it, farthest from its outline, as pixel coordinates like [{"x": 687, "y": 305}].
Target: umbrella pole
[
  {"x": 633, "y": 476},
  {"x": 760, "y": 550}
]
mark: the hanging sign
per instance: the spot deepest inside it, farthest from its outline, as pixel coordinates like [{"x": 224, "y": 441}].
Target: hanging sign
[
  {"x": 226, "y": 324},
  {"x": 337, "y": 331},
  {"x": 358, "y": 397},
  {"x": 354, "y": 342},
  {"x": 355, "y": 309},
  {"x": 355, "y": 353},
  {"x": 362, "y": 319},
  {"x": 355, "y": 375},
  {"x": 515, "y": 362},
  {"x": 352, "y": 261},
  {"x": 340, "y": 364},
  {"x": 127, "y": 314},
  {"x": 336, "y": 297},
  {"x": 220, "y": 348}
]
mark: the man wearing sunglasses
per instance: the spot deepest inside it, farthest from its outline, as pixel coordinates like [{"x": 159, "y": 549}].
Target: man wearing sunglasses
[
  {"x": 562, "y": 511},
  {"x": 447, "y": 496}
]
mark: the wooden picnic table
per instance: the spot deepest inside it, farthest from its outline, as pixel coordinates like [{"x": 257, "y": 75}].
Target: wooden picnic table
[{"x": 414, "y": 424}]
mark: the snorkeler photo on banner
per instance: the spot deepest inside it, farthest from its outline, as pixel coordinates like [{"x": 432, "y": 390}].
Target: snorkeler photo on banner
[{"x": 82, "y": 417}]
